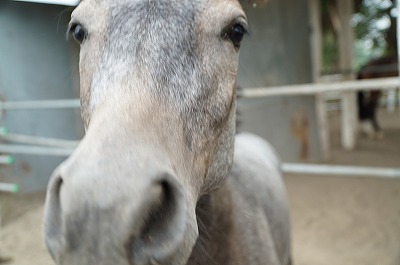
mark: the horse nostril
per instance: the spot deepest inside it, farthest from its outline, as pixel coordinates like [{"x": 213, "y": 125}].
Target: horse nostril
[
  {"x": 163, "y": 225},
  {"x": 52, "y": 215}
]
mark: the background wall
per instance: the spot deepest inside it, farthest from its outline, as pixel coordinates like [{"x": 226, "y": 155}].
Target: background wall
[
  {"x": 35, "y": 64},
  {"x": 278, "y": 53}
]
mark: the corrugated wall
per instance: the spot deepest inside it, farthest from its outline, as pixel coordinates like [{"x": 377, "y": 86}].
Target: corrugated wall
[
  {"x": 278, "y": 53},
  {"x": 35, "y": 64}
]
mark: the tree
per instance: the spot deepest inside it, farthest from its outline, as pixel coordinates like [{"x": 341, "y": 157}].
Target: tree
[{"x": 374, "y": 23}]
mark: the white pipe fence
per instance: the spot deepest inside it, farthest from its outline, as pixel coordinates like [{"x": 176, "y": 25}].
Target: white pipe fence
[
  {"x": 40, "y": 104},
  {"x": 286, "y": 167},
  {"x": 34, "y": 140},
  {"x": 35, "y": 150},
  {"x": 8, "y": 187},
  {"x": 6, "y": 160},
  {"x": 303, "y": 89},
  {"x": 337, "y": 170},
  {"x": 58, "y": 147},
  {"x": 56, "y": 2},
  {"x": 317, "y": 88}
]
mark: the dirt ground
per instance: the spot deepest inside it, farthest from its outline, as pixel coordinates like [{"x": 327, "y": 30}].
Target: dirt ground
[
  {"x": 335, "y": 220},
  {"x": 21, "y": 232}
]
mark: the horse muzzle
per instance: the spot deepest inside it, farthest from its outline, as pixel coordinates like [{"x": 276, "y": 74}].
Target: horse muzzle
[{"x": 105, "y": 207}]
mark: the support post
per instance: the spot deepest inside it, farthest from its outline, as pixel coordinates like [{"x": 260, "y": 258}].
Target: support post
[
  {"x": 345, "y": 9},
  {"x": 398, "y": 34},
  {"x": 316, "y": 62}
]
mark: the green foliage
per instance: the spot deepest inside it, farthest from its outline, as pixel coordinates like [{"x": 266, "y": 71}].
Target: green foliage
[
  {"x": 330, "y": 52},
  {"x": 373, "y": 22},
  {"x": 374, "y": 25}
]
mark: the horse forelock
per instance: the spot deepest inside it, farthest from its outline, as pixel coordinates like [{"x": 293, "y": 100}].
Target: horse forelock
[{"x": 153, "y": 40}]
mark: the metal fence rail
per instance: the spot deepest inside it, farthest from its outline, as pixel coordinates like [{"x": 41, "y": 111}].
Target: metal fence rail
[
  {"x": 35, "y": 150},
  {"x": 34, "y": 140},
  {"x": 40, "y": 104},
  {"x": 317, "y": 88},
  {"x": 9, "y": 187},
  {"x": 337, "y": 170},
  {"x": 56, "y": 147},
  {"x": 303, "y": 89}
]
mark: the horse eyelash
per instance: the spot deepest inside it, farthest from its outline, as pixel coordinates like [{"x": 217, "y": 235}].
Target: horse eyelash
[
  {"x": 68, "y": 33},
  {"x": 248, "y": 30},
  {"x": 246, "y": 27}
]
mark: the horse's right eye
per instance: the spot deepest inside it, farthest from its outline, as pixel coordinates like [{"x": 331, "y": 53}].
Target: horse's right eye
[
  {"x": 77, "y": 32},
  {"x": 236, "y": 33}
]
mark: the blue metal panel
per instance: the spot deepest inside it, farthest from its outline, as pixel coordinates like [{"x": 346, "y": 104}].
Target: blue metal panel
[
  {"x": 278, "y": 53},
  {"x": 35, "y": 64}
]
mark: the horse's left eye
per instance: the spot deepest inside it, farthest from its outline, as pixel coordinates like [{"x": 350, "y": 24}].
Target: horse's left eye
[
  {"x": 236, "y": 33},
  {"x": 78, "y": 33}
]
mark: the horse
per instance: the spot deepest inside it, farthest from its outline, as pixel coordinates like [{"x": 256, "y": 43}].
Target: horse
[
  {"x": 367, "y": 103},
  {"x": 161, "y": 177}
]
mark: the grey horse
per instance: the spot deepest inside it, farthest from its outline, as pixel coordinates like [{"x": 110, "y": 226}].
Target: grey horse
[{"x": 160, "y": 177}]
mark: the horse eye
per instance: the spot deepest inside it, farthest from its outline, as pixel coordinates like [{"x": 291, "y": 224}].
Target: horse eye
[
  {"x": 236, "y": 33},
  {"x": 78, "y": 33}
]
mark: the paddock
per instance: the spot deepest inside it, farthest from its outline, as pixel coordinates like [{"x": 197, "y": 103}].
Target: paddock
[{"x": 335, "y": 219}]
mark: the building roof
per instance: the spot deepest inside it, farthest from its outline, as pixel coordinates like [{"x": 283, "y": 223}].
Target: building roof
[{"x": 55, "y": 2}]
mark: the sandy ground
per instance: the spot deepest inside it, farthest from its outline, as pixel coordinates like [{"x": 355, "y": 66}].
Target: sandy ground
[
  {"x": 21, "y": 233},
  {"x": 335, "y": 220},
  {"x": 345, "y": 221}
]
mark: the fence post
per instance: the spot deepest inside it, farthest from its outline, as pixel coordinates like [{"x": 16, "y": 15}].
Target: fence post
[
  {"x": 316, "y": 62},
  {"x": 345, "y": 9}
]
